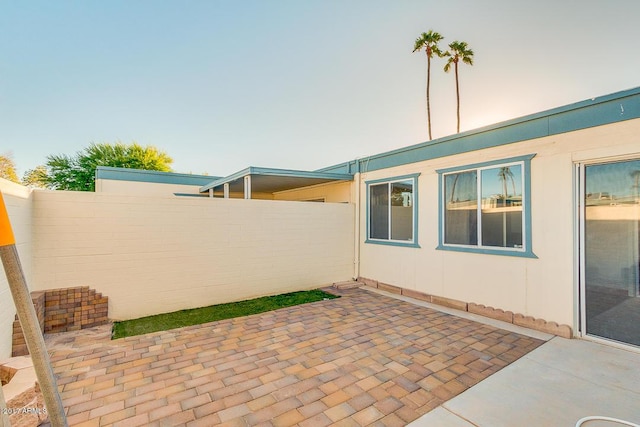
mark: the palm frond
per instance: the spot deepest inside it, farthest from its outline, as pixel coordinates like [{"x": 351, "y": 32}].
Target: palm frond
[
  {"x": 428, "y": 41},
  {"x": 432, "y": 36},
  {"x": 419, "y": 44},
  {"x": 461, "y": 52}
]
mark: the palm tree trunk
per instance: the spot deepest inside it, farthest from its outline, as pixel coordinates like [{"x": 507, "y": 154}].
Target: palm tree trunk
[
  {"x": 453, "y": 187},
  {"x": 504, "y": 189},
  {"x": 457, "y": 97},
  {"x": 428, "y": 100}
]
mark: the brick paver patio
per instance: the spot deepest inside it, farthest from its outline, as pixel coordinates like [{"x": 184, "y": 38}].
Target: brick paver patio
[{"x": 363, "y": 359}]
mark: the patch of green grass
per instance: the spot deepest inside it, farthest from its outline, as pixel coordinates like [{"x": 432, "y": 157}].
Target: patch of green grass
[{"x": 197, "y": 316}]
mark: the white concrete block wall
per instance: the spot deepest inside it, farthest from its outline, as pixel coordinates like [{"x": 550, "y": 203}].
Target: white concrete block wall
[
  {"x": 18, "y": 202},
  {"x": 136, "y": 188},
  {"x": 160, "y": 254},
  {"x": 157, "y": 189},
  {"x": 542, "y": 287}
]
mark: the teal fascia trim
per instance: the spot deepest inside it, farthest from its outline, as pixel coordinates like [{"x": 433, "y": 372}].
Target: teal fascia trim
[
  {"x": 613, "y": 108},
  {"x": 394, "y": 178},
  {"x": 528, "y": 250},
  {"x": 221, "y": 181},
  {"x": 252, "y": 170},
  {"x": 352, "y": 167},
  {"x": 416, "y": 211},
  {"x": 300, "y": 174},
  {"x": 524, "y": 158},
  {"x": 139, "y": 175}
]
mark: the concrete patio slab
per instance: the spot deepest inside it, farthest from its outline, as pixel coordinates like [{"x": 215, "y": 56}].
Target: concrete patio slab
[
  {"x": 363, "y": 359},
  {"x": 441, "y": 417},
  {"x": 556, "y": 385}
]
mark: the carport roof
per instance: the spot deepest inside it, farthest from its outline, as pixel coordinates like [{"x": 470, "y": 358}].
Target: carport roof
[{"x": 270, "y": 180}]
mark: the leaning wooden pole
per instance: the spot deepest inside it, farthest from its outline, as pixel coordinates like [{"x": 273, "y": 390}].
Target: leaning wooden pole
[
  {"x": 4, "y": 416},
  {"x": 29, "y": 321}
]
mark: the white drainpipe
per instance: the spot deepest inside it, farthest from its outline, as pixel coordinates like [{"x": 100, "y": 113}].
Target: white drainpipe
[
  {"x": 247, "y": 187},
  {"x": 356, "y": 247}
]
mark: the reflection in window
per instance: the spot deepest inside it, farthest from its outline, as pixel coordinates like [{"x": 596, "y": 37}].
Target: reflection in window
[
  {"x": 379, "y": 211},
  {"x": 612, "y": 250},
  {"x": 484, "y": 207},
  {"x": 502, "y": 206},
  {"x": 613, "y": 184},
  {"x": 402, "y": 210},
  {"x": 392, "y": 211},
  {"x": 461, "y": 201}
]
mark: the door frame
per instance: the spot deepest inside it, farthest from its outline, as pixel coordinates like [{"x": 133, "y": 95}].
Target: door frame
[{"x": 579, "y": 187}]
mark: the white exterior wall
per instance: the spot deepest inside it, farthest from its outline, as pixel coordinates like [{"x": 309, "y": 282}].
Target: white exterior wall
[
  {"x": 543, "y": 287},
  {"x": 254, "y": 195},
  {"x": 159, "y": 254},
  {"x": 18, "y": 201},
  {"x": 340, "y": 192},
  {"x": 139, "y": 188}
]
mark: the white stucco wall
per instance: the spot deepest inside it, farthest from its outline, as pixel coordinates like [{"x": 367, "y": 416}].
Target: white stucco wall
[
  {"x": 18, "y": 203},
  {"x": 542, "y": 287},
  {"x": 136, "y": 188},
  {"x": 160, "y": 254},
  {"x": 339, "y": 192}
]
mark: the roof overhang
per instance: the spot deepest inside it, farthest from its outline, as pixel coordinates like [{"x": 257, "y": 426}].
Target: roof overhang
[
  {"x": 269, "y": 180},
  {"x": 158, "y": 177}
]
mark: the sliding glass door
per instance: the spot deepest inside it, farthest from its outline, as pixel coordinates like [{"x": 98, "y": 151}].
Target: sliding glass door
[{"x": 610, "y": 253}]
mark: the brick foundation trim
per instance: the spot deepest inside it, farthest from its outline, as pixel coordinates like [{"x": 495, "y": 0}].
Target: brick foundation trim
[
  {"x": 541, "y": 325},
  {"x": 62, "y": 310},
  {"x": 494, "y": 313}
]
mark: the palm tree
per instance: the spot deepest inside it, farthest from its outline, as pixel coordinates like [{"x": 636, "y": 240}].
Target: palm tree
[
  {"x": 428, "y": 42},
  {"x": 505, "y": 174},
  {"x": 458, "y": 51}
]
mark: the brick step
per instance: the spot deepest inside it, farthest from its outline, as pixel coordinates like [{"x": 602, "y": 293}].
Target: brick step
[
  {"x": 349, "y": 284},
  {"x": 62, "y": 310}
]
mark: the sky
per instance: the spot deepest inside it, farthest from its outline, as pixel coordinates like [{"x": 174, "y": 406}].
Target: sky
[{"x": 221, "y": 85}]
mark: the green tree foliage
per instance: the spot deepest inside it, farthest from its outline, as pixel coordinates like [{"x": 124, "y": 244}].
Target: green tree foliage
[
  {"x": 429, "y": 42},
  {"x": 77, "y": 173},
  {"x": 458, "y": 51},
  {"x": 8, "y": 168}
]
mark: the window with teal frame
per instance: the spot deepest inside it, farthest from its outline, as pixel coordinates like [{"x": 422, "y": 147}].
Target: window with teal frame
[
  {"x": 392, "y": 211},
  {"x": 486, "y": 207}
]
